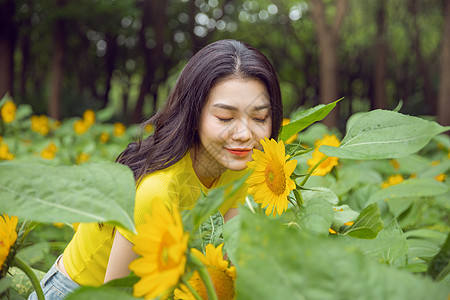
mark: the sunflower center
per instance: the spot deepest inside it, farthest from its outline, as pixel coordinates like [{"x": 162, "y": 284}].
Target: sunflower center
[
  {"x": 223, "y": 284},
  {"x": 275, "y": 178},
  {"x": 166, "y": 262}
]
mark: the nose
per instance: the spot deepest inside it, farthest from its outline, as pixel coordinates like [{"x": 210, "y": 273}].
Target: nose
[{"x": 241, "y": 132}]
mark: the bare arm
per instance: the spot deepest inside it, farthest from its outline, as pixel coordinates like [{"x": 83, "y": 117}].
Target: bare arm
[
  {"x": 232, "y": 212},
  {"x": 121, "y": 256}
]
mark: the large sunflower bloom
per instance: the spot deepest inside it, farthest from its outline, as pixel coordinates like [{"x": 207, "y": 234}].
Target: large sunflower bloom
[
  {"x": 270, "y": 182},
  {"x": 8, "y": 236},
  {"x": 222, "y": 276},
  {"x": 328, "y": 164},
  {"x": 162, "y": 244}
]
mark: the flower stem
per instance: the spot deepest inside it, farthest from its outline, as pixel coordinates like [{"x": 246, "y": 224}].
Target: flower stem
[
  {"x": 33, "y": 278},
  {"x": 191, "y": 289},
  {"x": 204, "y": 275},
  {"x": 313, "y": 169}
]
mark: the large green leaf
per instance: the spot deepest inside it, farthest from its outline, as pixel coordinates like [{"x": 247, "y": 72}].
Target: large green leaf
[
  {"x": 411, "y": 188},
  {"x": 382, "y": 134},
  {"x": 100, "y": 192},
  {"x": 277, "y": 262},
  {"x": 316, "y": 216},
  {"x": 368, "y": 223},
  {"x": 389, "y": 245},
  {"x": 305, "y": 118},
  {"x": 103, "y": 292}
]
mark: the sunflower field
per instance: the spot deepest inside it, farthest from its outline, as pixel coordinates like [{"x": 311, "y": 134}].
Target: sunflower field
[{"x": 360, "y": 215}]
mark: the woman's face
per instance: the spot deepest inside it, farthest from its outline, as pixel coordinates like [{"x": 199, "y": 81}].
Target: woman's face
[{"x": 235, "y": 118}]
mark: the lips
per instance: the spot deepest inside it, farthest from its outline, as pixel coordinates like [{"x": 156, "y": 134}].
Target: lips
[{"x": 239, "y": 151}]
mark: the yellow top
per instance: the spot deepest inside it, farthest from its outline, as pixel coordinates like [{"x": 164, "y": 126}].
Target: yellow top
[{"x": 86, "y": 256}]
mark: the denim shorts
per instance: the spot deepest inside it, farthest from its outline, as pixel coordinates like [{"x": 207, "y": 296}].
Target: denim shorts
[{"x": 55, "y": 284}]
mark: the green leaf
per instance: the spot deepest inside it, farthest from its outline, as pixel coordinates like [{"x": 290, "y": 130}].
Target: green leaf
[
  {"x": 5, "y": 283},
  {"x": 34, "y": 253},
  {"x": 211, "y": 230},
  {"x": 316, "y": 216},
  {"x": 21, "y": 283},
  {"x": 440, "y": 264},
  {"x": 383, "y": 134},
  {"x": 368, "y": 223},
  {"x": 277, "y": 262},
  {"x": 411, "y": 188},
  {"x": 100, "y": 192},
  {"x": 209, "y": 204},
  {"x": 305, "y": 118},
  {"x": 343, "y": 214},
  {"x": 231, "y": 231},
  {"x": 389, "y": 245},
  {"x": 102, "y": 292}
]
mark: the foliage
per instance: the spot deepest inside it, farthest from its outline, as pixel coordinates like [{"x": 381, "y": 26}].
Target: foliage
[{"x": 342, "y": 236}]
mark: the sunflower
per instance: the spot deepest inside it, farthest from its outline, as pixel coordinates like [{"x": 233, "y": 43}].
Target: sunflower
[
  {"x": 89, "y": 117},
  {"x": 80, "y": 127},
  {"x": 392, "y": 180},
  {"x": 8, "y": 236},
  {"x": 292, "y": 138},
  {"x": 327, "y": 165},
  {"x": 270, "y": 182},
  {"x": 222, "y": 276},
  {"x": 8, "y": 112},
  {"x": 119, "y": 129},
  {"x": 40, "y": 124},
  {"x": 162, "y": 244}
]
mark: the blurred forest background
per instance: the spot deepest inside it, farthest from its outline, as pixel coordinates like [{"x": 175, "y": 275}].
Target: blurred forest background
[{"x": 65, "y": 56}]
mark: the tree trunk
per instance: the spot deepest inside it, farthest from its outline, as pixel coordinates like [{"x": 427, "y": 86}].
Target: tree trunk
[
  {"x": 379, "y": 92},
  {"x": 443, "y": 116},
  {"x": 153, "y": 16},
  {"x": 429, "y": 93},
  {"x": 111, "y": 54},
  {"x": 8, "y": 35},
  {"x": 57, "y": 73},
  {"x": 328, "y": 38}
]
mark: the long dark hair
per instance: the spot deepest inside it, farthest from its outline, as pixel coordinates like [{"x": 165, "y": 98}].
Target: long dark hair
[{"x": 175, "y": 125}]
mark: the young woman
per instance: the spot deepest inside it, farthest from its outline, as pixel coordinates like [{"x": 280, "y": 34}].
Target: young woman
[{"x": 224, "y": 102}]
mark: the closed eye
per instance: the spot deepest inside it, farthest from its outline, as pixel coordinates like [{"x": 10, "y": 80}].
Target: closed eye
[
  {"x": 224, "y": 120},
  {"x": 261, "y": 120}
]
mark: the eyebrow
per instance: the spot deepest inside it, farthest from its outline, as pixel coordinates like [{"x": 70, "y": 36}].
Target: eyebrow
[{"x": 229, "y": 107}]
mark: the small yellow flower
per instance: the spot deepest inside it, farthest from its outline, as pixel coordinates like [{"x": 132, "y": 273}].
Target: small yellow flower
[
  {"x": 58, "y": 224},
  {"x": 89, "y": 117},
  {"x": 8, "y": 236},
  {"x": 148, "y": 128},
  {"x": 350, "y": 223},
  {"x": 82, "y": 158},
  {"x": 80, "y": 127},
  {"x": 222, "y": 276},
  {"x": 441, "y": 177},
  {"x": 270, "y": 182},
  {"x": 434, "y": 163},
  {"x": 395, "y": 164},
  {"x": 392, "y": 180},
  {"x": 55, "y": 124},
  {"x": 75, "y": 226},
  {"x": 49, "y": 152},
  {"x": 327, "y": 165},
  {"x": 4, "y": 152},
  {"x": 292, "y": 138},
  {"x": 104, "y": 137},
  {"x": 119, "y": 129},
  {"x": 8, "y": 112},
  {"x": 40, "y": 124},
  {"x": 332, "y": 231},
  {"x": 162, "y": 243}
]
